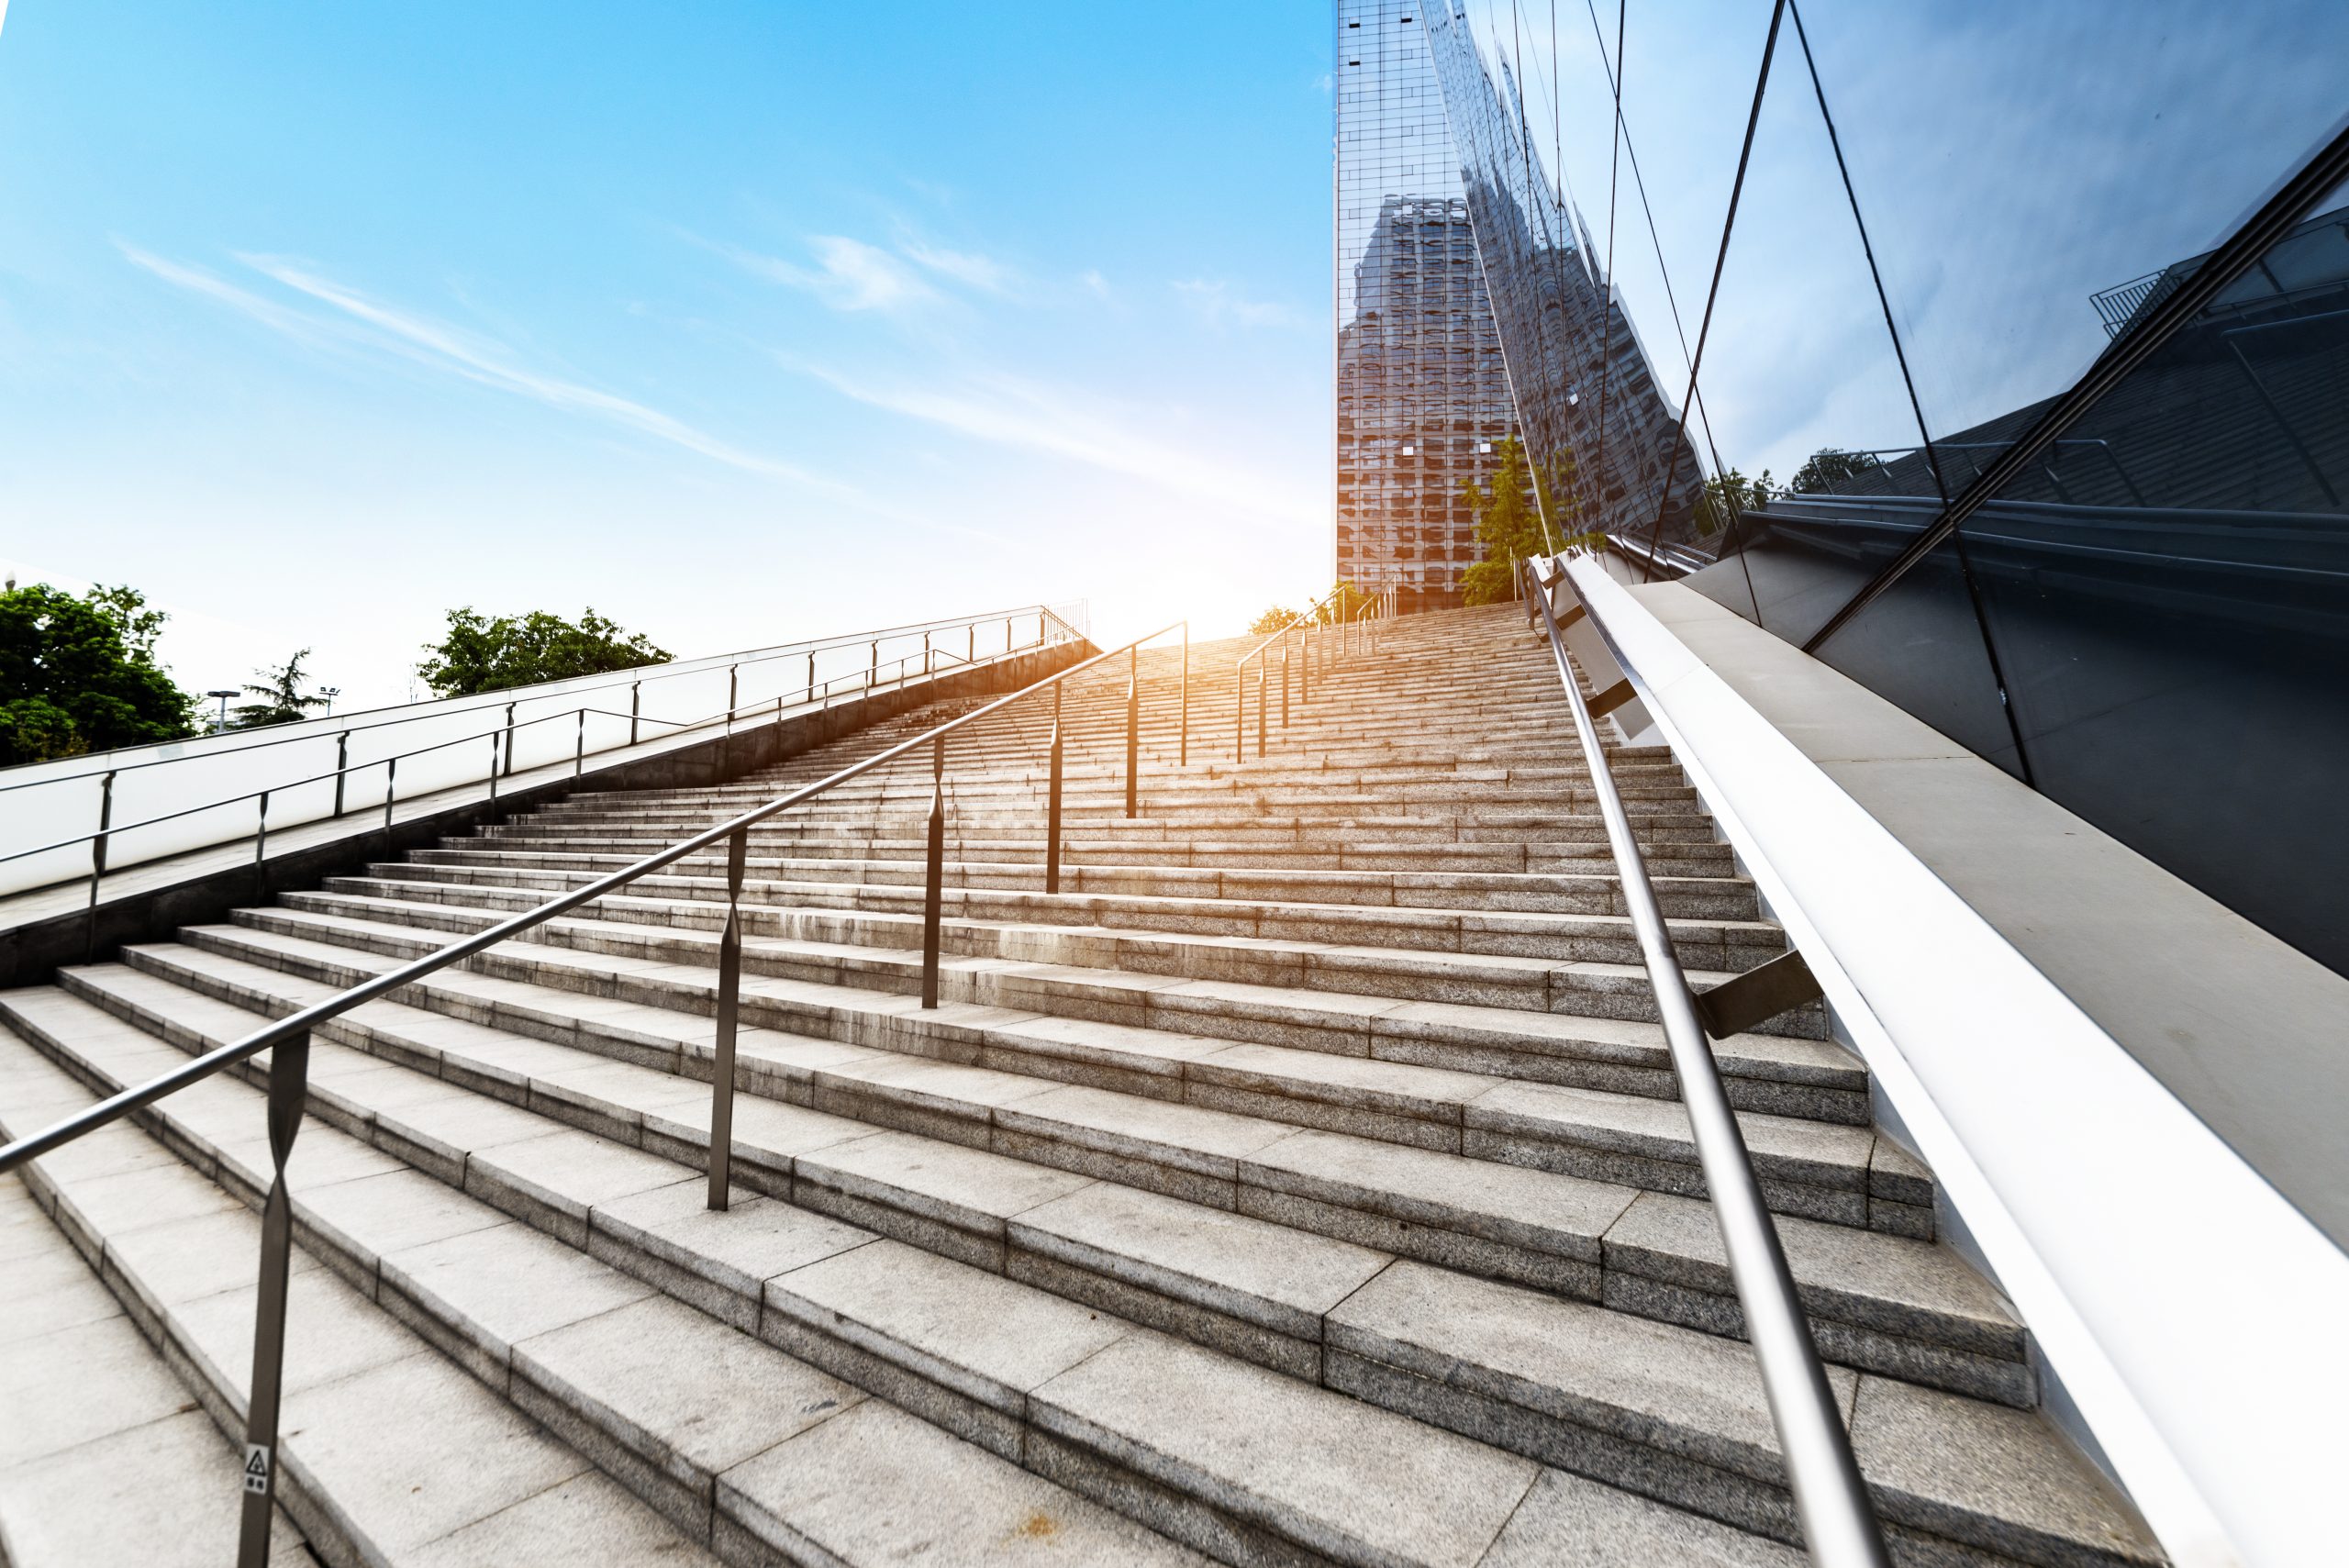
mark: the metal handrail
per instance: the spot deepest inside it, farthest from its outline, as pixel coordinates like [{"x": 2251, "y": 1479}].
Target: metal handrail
[
  {"x": 31, "y": 1147},
  {"x": 501, "y": 760},
  {"x": 1838, "y": 1522},
  {"x": 1305, "y": 625},
  {"x": 288, "y": 1039},
  {"x": 634, "y": 674}
]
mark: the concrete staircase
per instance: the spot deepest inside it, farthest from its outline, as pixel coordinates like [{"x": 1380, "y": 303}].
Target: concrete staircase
[{"x": 1304, "y": 1182}]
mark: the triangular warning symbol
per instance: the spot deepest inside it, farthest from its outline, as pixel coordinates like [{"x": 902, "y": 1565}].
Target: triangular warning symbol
[{"x": 258, "y": 1463}]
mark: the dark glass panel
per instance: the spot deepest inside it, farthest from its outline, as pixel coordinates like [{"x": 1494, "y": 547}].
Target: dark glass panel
[
  {"x": 2170, "y": 597},
  {"x": 2033, "y": 173},
  {"x": 1920, "y": 646}
]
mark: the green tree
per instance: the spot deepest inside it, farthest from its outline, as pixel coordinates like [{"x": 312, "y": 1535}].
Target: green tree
[
  {"x": 1272, "y": 620},
  {"x": 280, "y": 697},
  {"x": 1728, "y": 496},
  {"x": 482, "y": 654},
  {"x": 1509, "y": 519},
  {"x": 78, "y": 673},
  {"x": 1822, "y": 469},
  {"x": 1342, "y": 603}
]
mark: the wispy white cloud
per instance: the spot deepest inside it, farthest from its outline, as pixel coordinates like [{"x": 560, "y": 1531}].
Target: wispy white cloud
[
  {"x": 1008, "y": 411},
  {"x": 360, "y": 322},
  {"x": 848, "y": 274},
  {"x": 1095, "y": 283},
  {"x": 1219, "y": 304},
  {"x": 964, "y": 267}
]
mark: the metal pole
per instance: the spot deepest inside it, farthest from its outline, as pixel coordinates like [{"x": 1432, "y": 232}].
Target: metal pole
[
  {"x": 1831, "y": 1501},
  {"x": 1240, "y": 711},
  {"x": 1183, "y": 704},
  {"x": 1133, "y": 741},
  {"x": 933, "y": 891},
  {"x": 493, "y": 767},
  {"x": 811, "y": 677},
  {"x": 390, "y": 777},
  {"x": 873, "y": 669},
  {"x": 635, "y": 707},
  {"x": 971, "y": 644},
  {"x": 925, "y": 654},
  {"x": 289, "y": 1065},
  {"x": 1305, "y": 667},
  {"x": 1284, "y": 688},
  {"x": 509, "y": 739},
  {"x": 1260, "y": 709},
  {"x": 579, "y": 745},
  {"x": 341, "y": 763},
  {"x": 97, "y": 866},
  {"x": 733, "y": 686},
  {"x": 261, "y": 834},
  {"x": 1052, "y": 806},
  {"x": 730, "y": 1001}
]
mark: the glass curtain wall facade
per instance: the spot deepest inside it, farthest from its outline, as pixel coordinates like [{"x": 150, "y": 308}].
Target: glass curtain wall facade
[
  {"x": 2021, "y": 386},
  {"x": 1604, "y": 432},
  {"x": 1422, "y": 396}
]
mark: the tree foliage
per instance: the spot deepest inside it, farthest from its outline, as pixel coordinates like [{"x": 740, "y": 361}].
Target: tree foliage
[
  {"x": 1272, "y": 620},
  {"x": 279, "y": 698},
  {"x": 1728, "y": 496},
  {"x": 484, "y": 654},
  {"x": 1824, "y": 469},
  {"x": 1509, "y": 519},
  {"x": 78, "y": 673}
]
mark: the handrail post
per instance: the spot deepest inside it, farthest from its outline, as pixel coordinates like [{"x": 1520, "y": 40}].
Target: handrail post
[
  {"x": 733, "y": 687},
  {"x": 1053, "y": 805},
  {"x": 289, "y": 1065},
  {"x": 1260, "y": 707},
  {"x": 579, "y": 742},
  {"x": 1831, "y": 1501},
  {"x": 635, "y": 707},
  {"x": 1007, "y": 635},
  {"x": 729, "y": 1003},
  {"x": 1133, "y": 732},
  {"x": 509, "y": 739},
  {"x": 1183, "y": 704},
  {"x": 391, "y": 779},
  {"x": 1240, "y": 711},
  {"x": 925, "y": 655},
  {"x": 342, "y": 766},
  {"x": 1305, "y": 667},
  {"x": 811, "y": 677},
  {"x": 261, "y": 830},
  {"x": 1284, "y": 688},
  {"x": 872, "y": 669},
  {"x": 933, "y": 888},
  {"x": 493, "y": 770},
  {"x": 97, "y": 866},
  {"x": 970, "y": 642}
]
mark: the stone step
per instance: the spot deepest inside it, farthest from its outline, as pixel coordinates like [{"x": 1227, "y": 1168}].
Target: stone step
[
  {"x": 1109, "y": 930},
  {"x": 1906, "y": 1308},
  {"x": 387, "y": 1452},
  {"x": 1096, "y": 972},
  {"x": 1841, "y": 1174},
  {"x": 1232, "y": 828},
  {"x": 782, "y": 880},
  {"x": 1691, "y": 860},
  {"x": 713, "y": 1435},
  {"x": 104, "y": 1457},
  {"x": 598, "y": 1344}
]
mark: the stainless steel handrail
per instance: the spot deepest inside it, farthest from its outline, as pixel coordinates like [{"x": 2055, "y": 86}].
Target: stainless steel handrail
[
  {"x": 676, "y": 670},
  {"x": 202, "y": 1067},
  {"x": 1838, "y": 1522},
  {"x": 501, "y": 760},
  {"x": 1305, "y": 625}
]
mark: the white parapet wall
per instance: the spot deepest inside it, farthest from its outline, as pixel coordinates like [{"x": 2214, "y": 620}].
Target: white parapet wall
[{"x": 2008, "y": 972}]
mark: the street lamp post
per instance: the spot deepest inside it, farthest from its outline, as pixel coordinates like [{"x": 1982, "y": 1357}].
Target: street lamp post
[{"x": 224, "y": 694}]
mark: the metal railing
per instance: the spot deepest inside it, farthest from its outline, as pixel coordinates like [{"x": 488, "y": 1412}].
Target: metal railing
[
  {"x": 288, "y": 1039},
  {"x": 1315, "y": 636},
  {"x": 877, "y": 676},
  {"x": 1838, "y": 1522},
  {"x": 27, "y": 798}
]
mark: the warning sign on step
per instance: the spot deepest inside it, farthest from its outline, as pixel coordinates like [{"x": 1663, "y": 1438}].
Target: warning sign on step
[{"x": 256, "y": 1468}]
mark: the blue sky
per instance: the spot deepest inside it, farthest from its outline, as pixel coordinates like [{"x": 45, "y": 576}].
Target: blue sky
[
  {"x": 745, "y": 322},
  {"x": 739, "y": 322}
]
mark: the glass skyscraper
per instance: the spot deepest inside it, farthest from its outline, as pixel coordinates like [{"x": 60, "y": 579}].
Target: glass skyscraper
[{"x": 1422, "y": 396}]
